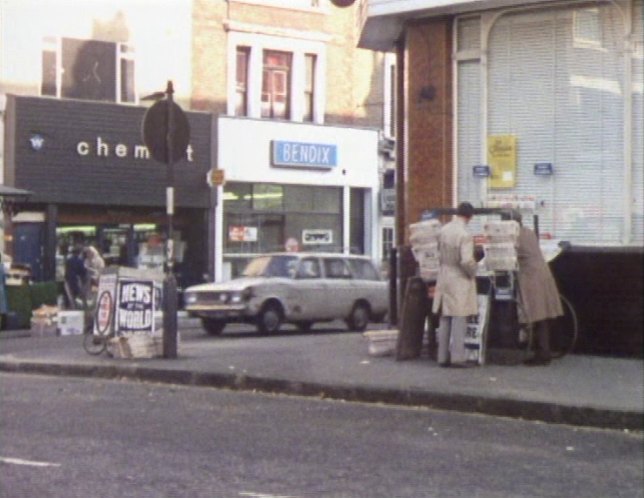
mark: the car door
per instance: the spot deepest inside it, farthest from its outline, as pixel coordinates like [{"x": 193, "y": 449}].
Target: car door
[
  {"x": 310, "y": 291},
  {"x": 369, "y": 286},
  {"x": 340, "y": 296}
]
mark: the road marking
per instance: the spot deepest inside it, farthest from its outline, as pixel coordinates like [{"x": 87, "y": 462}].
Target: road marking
[
  {"x": 263, "y": 495},
  {"x": 31, "y": 463}
]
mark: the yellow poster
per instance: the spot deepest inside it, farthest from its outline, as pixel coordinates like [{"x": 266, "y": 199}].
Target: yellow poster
[{"x": 502, "y": 159}]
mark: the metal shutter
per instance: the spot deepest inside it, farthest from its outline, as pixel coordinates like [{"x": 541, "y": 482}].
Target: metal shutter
[
  {"x": 560, "y": 93},
  {"x": 638, "y": 123}
]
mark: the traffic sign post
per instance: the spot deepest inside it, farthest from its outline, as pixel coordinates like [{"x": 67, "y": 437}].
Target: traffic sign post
[{"x": 166, "y": 133}]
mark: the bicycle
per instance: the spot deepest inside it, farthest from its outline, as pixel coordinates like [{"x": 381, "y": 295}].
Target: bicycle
[
  {"x": 564, "y": 331},
  {"x": 96, "y": 339}
]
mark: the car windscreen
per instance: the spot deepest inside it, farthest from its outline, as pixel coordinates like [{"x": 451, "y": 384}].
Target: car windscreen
[{"x": 271, "y": 266}]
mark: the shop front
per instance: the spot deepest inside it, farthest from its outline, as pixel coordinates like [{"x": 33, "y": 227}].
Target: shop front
[
  {"x": 540, "y": 108},
  {"x": 297, "y": 187},
  {"x": 95, "y": 183}
]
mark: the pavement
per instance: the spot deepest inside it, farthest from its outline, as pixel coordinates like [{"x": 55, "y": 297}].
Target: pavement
[{"x": 333, "y": 363}]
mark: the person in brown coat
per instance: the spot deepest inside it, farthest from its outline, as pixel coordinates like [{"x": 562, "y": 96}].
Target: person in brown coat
[
  {"x": 538, "y": 294},
  {"x": 455, "y": 295}
]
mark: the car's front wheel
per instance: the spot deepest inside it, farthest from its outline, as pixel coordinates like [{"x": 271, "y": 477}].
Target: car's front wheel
[
  {"x": 359, "y": 317},
  {"x": 213, "y": 326},
  {"x": 269, "y": 319}
]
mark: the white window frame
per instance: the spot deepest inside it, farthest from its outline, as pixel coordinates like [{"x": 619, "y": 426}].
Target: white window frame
[
  {"x": 54, "y": 44},
  {"x": 389, "y": 86},
  {"x": 257, "y": 43}
]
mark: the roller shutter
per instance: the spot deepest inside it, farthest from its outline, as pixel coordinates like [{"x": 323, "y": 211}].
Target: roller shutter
[{"x": 556, "y": 81}]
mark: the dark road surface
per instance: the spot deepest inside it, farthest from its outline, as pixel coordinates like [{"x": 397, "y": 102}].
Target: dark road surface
[{"x": 67, "y": 437}]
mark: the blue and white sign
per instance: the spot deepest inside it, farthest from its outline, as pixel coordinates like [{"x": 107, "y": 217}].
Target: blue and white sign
[
  {"x": 481, "y": 171},
  {"x": 304, "y": 155},
  {"x": 543, "y": 169}
]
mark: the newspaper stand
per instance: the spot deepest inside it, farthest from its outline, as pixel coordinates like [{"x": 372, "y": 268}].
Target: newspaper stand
[
  {"x": 496, "y": 323},
  {"x": 128, "y": 309}
]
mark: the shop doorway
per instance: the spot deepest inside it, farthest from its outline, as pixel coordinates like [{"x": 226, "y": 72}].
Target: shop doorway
[{"x": 28, "y": 241}]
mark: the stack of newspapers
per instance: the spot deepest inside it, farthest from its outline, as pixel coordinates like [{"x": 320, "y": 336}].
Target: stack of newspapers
[
  {"x": 501, "y": 245},
  {"x": 424, "y": 245}
]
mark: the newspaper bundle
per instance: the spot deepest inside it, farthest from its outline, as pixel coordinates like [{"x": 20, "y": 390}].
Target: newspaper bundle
[
  {"x": 501, "y": 245},
  {"x": 424, "y": 245}
]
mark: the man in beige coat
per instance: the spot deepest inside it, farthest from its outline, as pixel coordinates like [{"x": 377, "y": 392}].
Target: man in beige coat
[
  {"x": 538, "y": 294},
  {"x": 455, "y": 297}
]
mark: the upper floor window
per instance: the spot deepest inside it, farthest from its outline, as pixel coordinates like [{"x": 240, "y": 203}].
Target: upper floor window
[
  {"x": 88, "y": 70},
  {"x": 389, "y": 111},
  {"x": 309, "y": 87},
  {"x": 276, "y": 77},
  {"x": 241, "y": 96}
]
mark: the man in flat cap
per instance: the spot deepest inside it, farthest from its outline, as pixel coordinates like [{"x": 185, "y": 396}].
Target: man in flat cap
[{"x": 455, "y": 297}]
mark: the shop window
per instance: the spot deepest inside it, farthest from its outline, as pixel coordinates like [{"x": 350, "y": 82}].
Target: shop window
[
  {"x": 299, "y": 198},
  {"x": 387, "y": 242},
  {"x": 267, "y": 197},
  {"x": 327, "y": 200},
  {"x": 276, "y": 77},
  {"x": 237, "y": 196},
  {"x": 357, "y": 216},
  {"x": 88, "y": 70}
]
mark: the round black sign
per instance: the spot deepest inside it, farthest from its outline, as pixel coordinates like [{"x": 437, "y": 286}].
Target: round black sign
[{"x": 155, "y": 131}]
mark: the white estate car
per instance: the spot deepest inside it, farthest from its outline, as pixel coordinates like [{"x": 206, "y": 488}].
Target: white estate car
[{"x": 299, "y": 288}]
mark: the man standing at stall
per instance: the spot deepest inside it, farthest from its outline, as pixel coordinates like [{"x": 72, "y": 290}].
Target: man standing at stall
[
  {"x": 455, "y": 297},
  {"x": 538, "y": 294}
]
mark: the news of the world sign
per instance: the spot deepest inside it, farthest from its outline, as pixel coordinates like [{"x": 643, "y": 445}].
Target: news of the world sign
[{"x": 136, "y": 306}]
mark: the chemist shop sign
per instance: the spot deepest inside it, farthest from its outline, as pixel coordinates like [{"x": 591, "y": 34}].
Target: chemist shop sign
[{"x": 135, "y": 307}]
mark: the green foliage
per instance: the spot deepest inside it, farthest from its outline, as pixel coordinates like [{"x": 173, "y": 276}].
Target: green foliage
[
  {"x": 22, "y": 299},
  {"x": 43, "y": 293},
  {"x": 19, "y": 301}
]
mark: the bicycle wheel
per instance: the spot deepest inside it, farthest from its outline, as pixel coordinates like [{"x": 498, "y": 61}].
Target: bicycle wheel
[
  {"x": 564, "y": 331},
  {"x": 94, "y": 344}
]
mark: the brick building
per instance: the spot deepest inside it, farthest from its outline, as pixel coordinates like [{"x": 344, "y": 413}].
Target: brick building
[
  {"x": 535, "y": 105},
  {"x": 277, "y": 96}
]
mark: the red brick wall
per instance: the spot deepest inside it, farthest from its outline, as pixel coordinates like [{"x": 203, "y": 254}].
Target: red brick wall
[{"x": 429, "y": 168}]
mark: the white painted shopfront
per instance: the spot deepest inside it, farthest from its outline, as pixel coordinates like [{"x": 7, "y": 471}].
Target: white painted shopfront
[{"x": 294, "y": 186}]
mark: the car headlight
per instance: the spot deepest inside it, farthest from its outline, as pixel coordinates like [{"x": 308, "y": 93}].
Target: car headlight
[
  {"x": 190, "y": 298},
  {"x": 240, "y": 297}
]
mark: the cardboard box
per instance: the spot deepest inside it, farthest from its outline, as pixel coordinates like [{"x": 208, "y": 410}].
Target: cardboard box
[
  {"x": 43, "y": 327},
  {"x": 71, "y": 322},
  {"x": 381, "y": 342}
]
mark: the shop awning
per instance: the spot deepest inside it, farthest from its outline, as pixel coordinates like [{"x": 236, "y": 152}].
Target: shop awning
[
  {"x": 10, "y": 197},
  {"x": 6, "y": 191}
]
